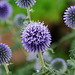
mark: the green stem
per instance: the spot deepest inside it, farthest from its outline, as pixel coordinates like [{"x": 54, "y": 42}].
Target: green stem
[
  {"x": 6, "y": 68},
  {"x": 28, "y": 12},
  {"x": 41, "y": 60},
  {"x": 74, "y": 72}
]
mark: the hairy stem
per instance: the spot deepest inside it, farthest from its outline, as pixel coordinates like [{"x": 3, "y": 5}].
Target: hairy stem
[
  {"x": 41, "y": 60},
  {"x": 28, "y": 12},
  {"x": 6, "y": 68}
]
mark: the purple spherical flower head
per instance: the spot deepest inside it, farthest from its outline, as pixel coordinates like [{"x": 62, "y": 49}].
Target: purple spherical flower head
[
  {"x": 5, "y": 10},
  {"x": 36, "y": 37},
  {"x": 25, "y": 3},
  {"x": 59, "y": 64},
  {"x": 5, "y": 53},
  {"x": 69, "y": 17}
]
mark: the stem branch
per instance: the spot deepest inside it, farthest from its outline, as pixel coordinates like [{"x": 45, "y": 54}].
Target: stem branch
[{"x": 28, "y": 12}]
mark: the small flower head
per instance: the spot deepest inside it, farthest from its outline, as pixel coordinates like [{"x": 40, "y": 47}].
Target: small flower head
[
  {"x": 5, "y": 53},
  {"x": 25, "y": 3},
  {"x": 31, "y": 57},
  {"x": 18, "y": 20},
  {"x": 69, "y": 17},
  {"x": 37, "y": 65},
  {"x": 59, "y": 64},
  {"x": 36, "y": 37},
  {"x": 5, "y": 10}
]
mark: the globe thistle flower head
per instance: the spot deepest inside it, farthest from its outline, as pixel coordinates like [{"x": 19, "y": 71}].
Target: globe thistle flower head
[
  {"x": 59, "y": 64},
  {"x": 18, "y": 20},
  {"x": 5, "y": 53},
  {"x": 46, "y": 56},
  {"x": 69, "y": 17},
  {"x": 25, "y": 3},
  {"x": 36, "y": 37},
  {"x": 5, "y": 10}
]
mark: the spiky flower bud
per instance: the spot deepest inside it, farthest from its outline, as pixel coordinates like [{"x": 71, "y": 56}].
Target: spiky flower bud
[
  {"x": 59, "y": 64},
  {"x": 25, "y": 3},
  {"x": 69, "y": 17},
  {"x": 5, "y": 53},
  {"x": 18, "y": 20},
  {"x": 5, "y": 10},
  {"x": 36, "y": 37}
]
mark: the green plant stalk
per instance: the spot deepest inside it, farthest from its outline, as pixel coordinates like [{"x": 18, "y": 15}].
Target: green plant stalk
[
  {"x": 28, "y": 12},
  {"x": 6, "y": 68},
  {"x": 41, "y": 60},
  {"x": 74, "y": 72}
]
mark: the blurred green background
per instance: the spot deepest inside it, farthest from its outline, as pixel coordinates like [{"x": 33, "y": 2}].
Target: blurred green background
[{"x": 49, "y": 11}]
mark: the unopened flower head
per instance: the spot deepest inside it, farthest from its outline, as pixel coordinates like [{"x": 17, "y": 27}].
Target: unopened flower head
[
  {"x": 18, "y": 20},
  {"x": 5, "y": 53},
  {"x": 69, "y": 17},
  {"x": 37, "y": 65},
  {"x": 36, "y": 37},
  {"x": 5, "y": 10},
  {"x": 25, "y": 3},
  {"x": 46, "y": 56},
  {"x": 59, "y": 64},
  {"x": 31, "y": 57}
]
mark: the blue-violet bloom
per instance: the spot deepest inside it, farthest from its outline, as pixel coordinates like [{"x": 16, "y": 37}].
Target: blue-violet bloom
[
  {"x": 5, "y": 10},
  {"x": 5, "y": 53},
  {"x": 36, "y": 37},
  {"x": 69, "y": 17},
  {"x": 25, "y": 3}
]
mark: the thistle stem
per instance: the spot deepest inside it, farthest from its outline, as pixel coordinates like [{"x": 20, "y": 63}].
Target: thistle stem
[
  {"x": 28, "y": 12},
  {"x": 74, "y": 72},
  {"x": 6, "y": 68},
  {"x": 41, "y": 60}
]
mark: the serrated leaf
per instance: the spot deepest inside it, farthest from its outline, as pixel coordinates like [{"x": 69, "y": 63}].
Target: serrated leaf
[{"x": 71, "y": 63}]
